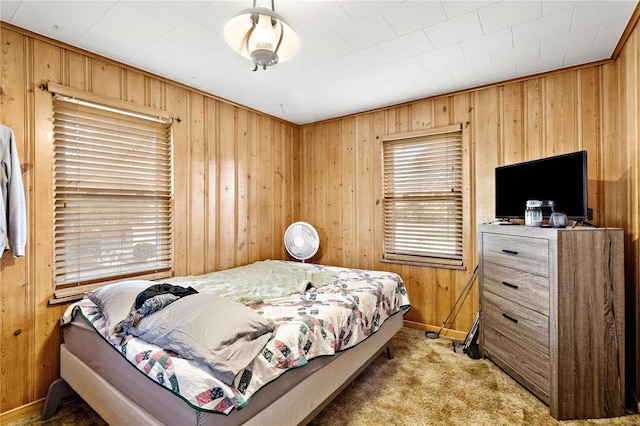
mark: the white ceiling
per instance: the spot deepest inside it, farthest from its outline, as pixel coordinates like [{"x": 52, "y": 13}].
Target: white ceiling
[{"x": 354, "y": 55}]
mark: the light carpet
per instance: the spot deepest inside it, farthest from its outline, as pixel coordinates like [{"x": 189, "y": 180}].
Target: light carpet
[{"x": 426, "y": 383}]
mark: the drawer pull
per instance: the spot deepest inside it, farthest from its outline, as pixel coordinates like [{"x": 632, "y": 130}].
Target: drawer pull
[
  {"x": 509, "y": 285},
  {"x": 511, "y": 252},
  {"x": 510, "y": 318}
]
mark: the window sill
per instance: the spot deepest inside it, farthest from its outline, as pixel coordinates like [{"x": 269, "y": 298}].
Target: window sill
[{"x": 426, "y": 264}]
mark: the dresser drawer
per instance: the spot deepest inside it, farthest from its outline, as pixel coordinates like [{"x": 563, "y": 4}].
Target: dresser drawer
[
  {"x": 523, "y": 253},
  {"x": 521, "y": 287},
  {"x": 512, "y": 318},
  {"x": 528, "y": 366}
]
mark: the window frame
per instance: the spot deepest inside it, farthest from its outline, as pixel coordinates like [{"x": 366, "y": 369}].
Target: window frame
[
  {"x": 459, "y": 261},
  {"x": 68, "y": 290}
]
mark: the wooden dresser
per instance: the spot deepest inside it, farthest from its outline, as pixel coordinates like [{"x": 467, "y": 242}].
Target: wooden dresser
[{"x": 552, "y": 314}]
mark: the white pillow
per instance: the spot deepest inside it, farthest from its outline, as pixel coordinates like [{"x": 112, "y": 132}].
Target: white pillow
[{"x": 115, "y": 300}]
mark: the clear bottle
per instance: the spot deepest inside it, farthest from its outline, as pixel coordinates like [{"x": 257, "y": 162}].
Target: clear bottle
[{"x": 533, "y": 213}]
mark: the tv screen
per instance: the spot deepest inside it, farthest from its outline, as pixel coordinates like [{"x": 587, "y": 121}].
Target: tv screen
[{"x": 561, "y": 179}]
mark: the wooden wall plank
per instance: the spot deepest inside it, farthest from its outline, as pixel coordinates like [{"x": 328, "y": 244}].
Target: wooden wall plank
[
  {"x": 306, "y": 134},
  {"x": 609, "y": 135},
  {"x": 76, "y": 70},
  {"x": 211, "y": 247},
  {"x": 242, "y": 186},
  {"x": 197, "y": 183},
  {"x": 334, "y": 194},
  {"x": 176, "y": 98},
  {"x": 135, "y": 88},
  {"x": 348, "y": 218},
  {"x": 422, "y": 115},
  {"x": 15, "y": 334},
  {"x": 278, "y": 218},
  {"x": 265, "y": 182},
  {"x": 589, "y": 130},
  {"x": 402, "y": 119},
  {"x": 155, "y": 94},
  {"x": 105, "y": 79},
  {"x": 561, "y": 113},
  {"x": 363, "y": 189},
  {"x": 533, "y": 118},
  {"x": 225, "y": 157},
  {"x": 292, "y": 184},
  {"x": 380, "y": 127},
  {"x": 512, "y": 124},
  {"x": 318, "y": 191},
  {"x": 254, "y": 187},
  {"x": 47, "y": 66},
  {"x": 488, "y": 150}
]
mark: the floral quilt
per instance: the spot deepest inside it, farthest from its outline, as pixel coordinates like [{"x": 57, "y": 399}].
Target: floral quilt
[{"x": 318, "y": 322}]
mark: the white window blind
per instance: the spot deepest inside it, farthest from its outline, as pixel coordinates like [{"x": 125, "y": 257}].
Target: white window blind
[
  {"x": 112, "y": 196},
  {"x": 423, "y": 197}
]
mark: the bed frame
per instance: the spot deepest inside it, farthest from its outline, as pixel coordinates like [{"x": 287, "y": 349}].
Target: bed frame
[{"x": 294, "y": 398}]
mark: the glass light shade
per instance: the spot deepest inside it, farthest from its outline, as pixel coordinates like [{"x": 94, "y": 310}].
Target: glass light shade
[{"x": 262, "y": 42}]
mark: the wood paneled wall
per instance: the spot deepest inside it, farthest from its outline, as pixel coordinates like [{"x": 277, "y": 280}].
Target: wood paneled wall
[
  {"x": 593, "y": 108},
  {"x": 242, "y": 177},
  {"x": 342, "y": 192},
  {"x": 236, "y": 183}
]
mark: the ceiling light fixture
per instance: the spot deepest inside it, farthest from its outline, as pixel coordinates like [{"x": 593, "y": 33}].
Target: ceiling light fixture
[{"x": 262, "y": 35}]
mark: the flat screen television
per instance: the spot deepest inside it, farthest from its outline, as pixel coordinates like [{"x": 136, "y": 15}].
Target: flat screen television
[{"x": 561, "y": 179}]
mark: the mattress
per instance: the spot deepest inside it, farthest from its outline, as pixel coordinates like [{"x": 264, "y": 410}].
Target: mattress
[{"x": 121, "y": 395}]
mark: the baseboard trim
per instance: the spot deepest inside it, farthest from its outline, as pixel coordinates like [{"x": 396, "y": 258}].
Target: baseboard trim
[
  {"x": 22, "y": 411},
  {"x": 446, "y": 332}
]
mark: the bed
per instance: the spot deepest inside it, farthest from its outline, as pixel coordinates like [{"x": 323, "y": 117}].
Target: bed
[{"x": 317, "y": 328}]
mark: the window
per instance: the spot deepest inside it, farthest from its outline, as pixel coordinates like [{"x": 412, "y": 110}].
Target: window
[
  {"x": 423, "y": 207},
  {"x": 112, "y": 195}
]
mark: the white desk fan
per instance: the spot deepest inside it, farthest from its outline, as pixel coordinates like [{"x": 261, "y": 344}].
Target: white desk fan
[{"x": 301, "y": 241}]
